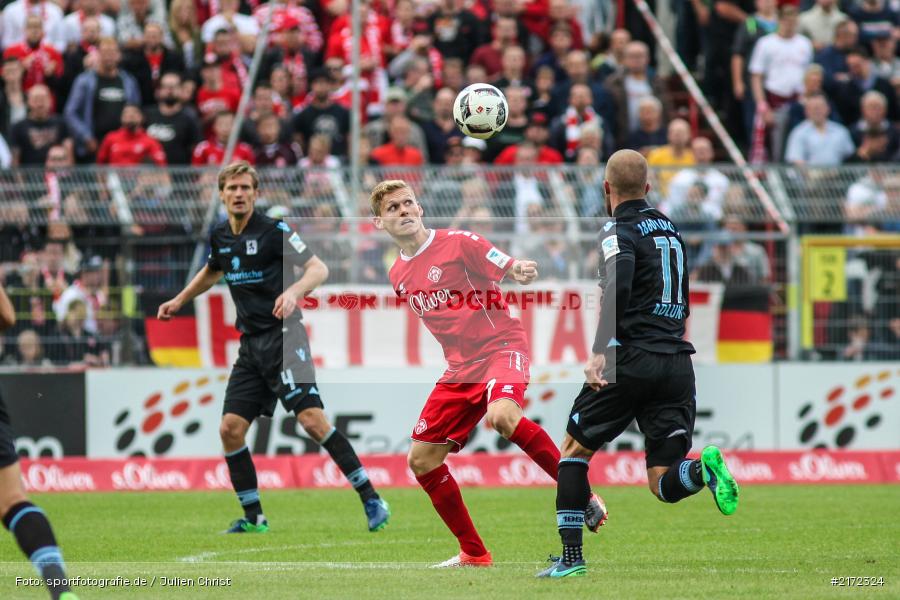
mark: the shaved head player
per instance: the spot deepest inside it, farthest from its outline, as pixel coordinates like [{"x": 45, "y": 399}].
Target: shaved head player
[
  {"x": 274, "y": 361},
  {"x": 641, "y": 331},
  {"x": 449, "y": 279}
]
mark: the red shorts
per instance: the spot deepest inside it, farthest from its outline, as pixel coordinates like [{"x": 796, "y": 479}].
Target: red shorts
[{"x": 461, "y": 397}]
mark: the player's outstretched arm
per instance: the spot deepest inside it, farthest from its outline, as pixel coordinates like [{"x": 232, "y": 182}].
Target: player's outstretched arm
[
  {"x": 202, "y": 281},
  {"x": 523, "y": 271},
  {"x": 7, "y": 312},
  {"x": 315, "y": 272}
]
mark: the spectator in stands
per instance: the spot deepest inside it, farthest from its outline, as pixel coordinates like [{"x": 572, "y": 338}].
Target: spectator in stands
[
  {"x": 513, "y": 71},
  {"x": 83, "y": 56},
  {"x": 866, "y": 198},
  {"x": 211, "y": 151},
  {"x": 593, "y": 136},
  {"x": 18, "y": 234},
  {"x": 473, "y": 151},
  {"x": 91, "y": 288},
  {"x": 875, "y": 17},
  {"x": 6, "y": 157},
  {"x": 876, "y": 138},
  {"x": 588, "y": 186},
  {"x": 537, "y": 133},
  {"x": 42, "y": 62},
  {"x": 453, "y": 75},
  {"x": 777, "y": 66},
  {"x": 273, "y": 152},
  {"x": 456, "y": 30},
  {"x": 749, "y": 255},
  {"x": 551, "y": 251},
  {"x": 516, "y": 123},
  {"x": 884, "y": 58},
  {"x": 229, "y": 18},
  {"x": 29, "y": 350},
  {"x": 15, "y": 14},
  {"x": 650, "y": 132},
  {"x": 185, "y": 30},
  {"x": 565, "y": 132},
  {"x": 629, "y": 86},
  {"x": 70, "y": 32},
  {"x": 419, "y": 85},
  {"x": 833, "y": 58},
  {"x": 676, "y": 154},
  {"x": 725, "y": 18},
  {"x": 134, "y": 15},
  {"x": 819, "y": 22},
  {"x": 62, "y": 189},
  {"x": 504, "y": 35},
  {"x": 292, "y": 10},
  {"x": 578, "y": 72},
  {"x": 542, "y": 98},
  {"x": 528, "y": 191},
  {"x": 77, "y": 345},
  {"x": 555, "y": 56},
  {"x": 541, "y": 23},
  {"x": 818, "y": 142},
  {"x": 12, "y": 97},
  {"x": 97, "y": 99},
  {"x": 862, "y": 79},
  {"x": 172, "y": 124},
  {"x": 324, "y": 230},
  {"x": 813, "y": 85},
  {"x": 859, "y": 345},
  {"x": 318, "y": 167},
  {"x": 420, "y": 48},
  {"x": 761, "y": 23},
  {"x": 398, "y": 150},
  {"x": 148, "y": 62},
  {"x": 130, "y": 145},
  {"x": 214, "y": 96},
  {"x": 722, "y": 267},
  {"x": 31, "y": 138},
  {"x": 441, "y": 129},
  {"x": 474, "y": 196},
  {"x": 395, "y": 106},
  {"x": 322, "y": 115},
  {"x": 606, "y": 63},
  {"x": 687, "y": 182}
]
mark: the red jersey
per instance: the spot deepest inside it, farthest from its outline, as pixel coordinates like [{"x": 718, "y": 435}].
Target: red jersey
[
  {"x": 126, "y": 148},
  {"x": 211, "y": 152},
  {"x": 210, "y": 102},
  {"x": 41, "y": 56},
  {"x": 451, "y": 284}
]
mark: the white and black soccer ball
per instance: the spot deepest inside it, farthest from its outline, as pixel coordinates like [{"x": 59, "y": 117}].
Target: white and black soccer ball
[{"x": 480, "y": 111}]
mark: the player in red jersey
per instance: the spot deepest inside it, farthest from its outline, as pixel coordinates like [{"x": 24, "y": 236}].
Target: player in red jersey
[{"x": 449, "y": 279}]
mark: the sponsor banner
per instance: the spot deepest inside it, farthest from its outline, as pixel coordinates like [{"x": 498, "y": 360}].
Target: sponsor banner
[
  {"x": 176, "y": 413},
  {"x": 839, "y": 406},
  {"x": 369, "y": 326},
  {"x": 318, "y": 471},
  {"x": 47, "y": 411}
]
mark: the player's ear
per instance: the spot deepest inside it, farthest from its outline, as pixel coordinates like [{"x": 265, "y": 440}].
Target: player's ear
[
  {"x": 646, "y": 188},
  {"x": 606, "y": 187},
  {"x": 379, "y": 224}
]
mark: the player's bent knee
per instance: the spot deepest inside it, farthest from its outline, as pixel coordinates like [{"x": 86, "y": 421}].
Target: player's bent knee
[
  {"x": 421, "y": 463},
  {"x": 571, "y": 448},
  {"x": 503, "y": 416},
  {"x": 314, "y": 422},
  {"x": 232, "y": 432}
]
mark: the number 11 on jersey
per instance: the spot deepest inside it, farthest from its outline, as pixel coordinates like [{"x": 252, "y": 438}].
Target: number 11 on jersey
[{"x": 666, "y": 245}]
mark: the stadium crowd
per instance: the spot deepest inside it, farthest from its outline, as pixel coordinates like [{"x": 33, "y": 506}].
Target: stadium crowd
[{"x": 157, "y": 82}]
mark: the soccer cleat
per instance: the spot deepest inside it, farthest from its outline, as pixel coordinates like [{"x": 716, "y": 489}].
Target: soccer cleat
[
  {"x": 243, "y": 525},
  {"x": 562, "y": 569},
  {"x": 377, "y": 512},
  {"x": 719, "y": 480},
  {"x": 595, "y": 515},
  {"x": 465, "y": 560}
]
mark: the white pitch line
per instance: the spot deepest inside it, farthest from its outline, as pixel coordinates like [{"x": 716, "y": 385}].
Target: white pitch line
[{"x": 204, "y": 557}]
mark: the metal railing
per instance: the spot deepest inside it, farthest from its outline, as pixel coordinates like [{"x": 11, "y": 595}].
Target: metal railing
[{"x": 141, "y": 224}]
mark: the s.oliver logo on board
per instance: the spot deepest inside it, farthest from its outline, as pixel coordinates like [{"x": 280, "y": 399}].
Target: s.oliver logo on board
[
  {"x": 54, "y": 478},
  {"x": 146, "y": 476},
  {"x": 824, "y": 467},
  {"x": 218, "y": 478}
]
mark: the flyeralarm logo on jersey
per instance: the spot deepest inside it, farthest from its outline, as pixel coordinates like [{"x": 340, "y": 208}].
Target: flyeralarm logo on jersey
[
  {"x": 139, "y": 413},
  {"x": 855, "y": 407}
]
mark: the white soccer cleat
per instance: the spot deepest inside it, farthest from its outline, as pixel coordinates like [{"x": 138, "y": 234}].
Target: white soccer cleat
[{"x": 465, "y": 560}]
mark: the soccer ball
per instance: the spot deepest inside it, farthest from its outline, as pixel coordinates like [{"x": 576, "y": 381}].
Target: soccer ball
[{"x": 480, "y": 111}]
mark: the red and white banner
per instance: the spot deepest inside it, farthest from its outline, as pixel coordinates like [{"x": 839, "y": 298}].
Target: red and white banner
[{"x": 318, "y": 471}]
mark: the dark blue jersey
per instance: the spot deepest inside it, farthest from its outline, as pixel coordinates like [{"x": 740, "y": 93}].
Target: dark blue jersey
[
  {"x": 255, "y": 263},
  {"x": 644, "y": 277}
]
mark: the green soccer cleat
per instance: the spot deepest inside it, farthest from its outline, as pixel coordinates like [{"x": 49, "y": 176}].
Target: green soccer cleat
[
  {"x": 377, "y": 513},
  {"x": 719, "y": 480},
  {"x": 562, "y": 569},
  {"x": 243, "y": 525}
]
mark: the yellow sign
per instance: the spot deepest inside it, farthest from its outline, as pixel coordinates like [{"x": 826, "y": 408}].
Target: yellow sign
[{"x": 826, "y": 276}]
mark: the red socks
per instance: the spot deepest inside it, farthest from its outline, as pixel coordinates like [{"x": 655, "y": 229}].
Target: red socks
[
  {"x": 444, "y": 493},
  {"x": 534, "y": 441}
]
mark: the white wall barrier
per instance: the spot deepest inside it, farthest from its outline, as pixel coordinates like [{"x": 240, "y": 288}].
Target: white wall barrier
[{"x": 175, "y": 413}]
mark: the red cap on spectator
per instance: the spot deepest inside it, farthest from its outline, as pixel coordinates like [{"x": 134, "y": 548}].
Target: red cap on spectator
[
  {"x": 538, "y": 118},
  {"x": 420, "y": 27},
  {"x": 289, "y": 22}
]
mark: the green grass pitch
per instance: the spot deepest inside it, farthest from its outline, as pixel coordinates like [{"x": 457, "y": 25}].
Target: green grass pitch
[{"x": 784, "y": 542}]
